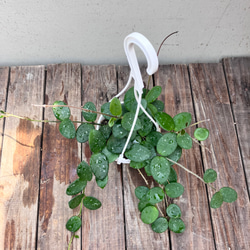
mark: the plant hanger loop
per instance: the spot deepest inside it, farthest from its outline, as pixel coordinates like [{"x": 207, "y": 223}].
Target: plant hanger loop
[{"x": 152, "y": 66}]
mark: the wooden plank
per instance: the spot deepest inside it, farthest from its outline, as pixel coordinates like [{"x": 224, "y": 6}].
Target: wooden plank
[
  {"x": 176, "y": 95},
  {"x": 237, "y": 71},
  {"x": 103, "y": 228},
  {"x": 4, "y": 78},
  {"x": 60, "y": 158},
  {"x": 230, "y": 222},
  {"x": 138, "y": 234},
  {"x": 20, "y": 166}
]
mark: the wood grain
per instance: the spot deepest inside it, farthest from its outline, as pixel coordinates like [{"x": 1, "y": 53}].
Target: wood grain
[
  {"x": 238, "y": 80},
  {"x": 231, "y": 221},
  {"x": 60, "y": 158},
  {"x": 103, "y": 228},
  {"x": 176, "y": 95},
  {"x": 20, "y": 165},
  {"x": 4, "y": 78},
  {"x": 138, "y": 234}
]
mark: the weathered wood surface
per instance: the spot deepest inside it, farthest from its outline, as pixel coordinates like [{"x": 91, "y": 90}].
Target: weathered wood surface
[
  {"x": 176, "y": 95},
  {"x": 20, "y": 164},
  {"x": 103, "y": 228},
  {"x": 231, "y": 222},
  {"x": 33, "y": 203},
  {"x": 238, "y": 80}
]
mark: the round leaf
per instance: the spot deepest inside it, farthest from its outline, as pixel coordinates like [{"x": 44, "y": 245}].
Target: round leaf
[
  {"x": 102, "y": 183},
  {"x": 184, "y": 141},
  {"x": 135, "y": 104},
  {"x": 159, "y": 105},
  {"x": 174, "y": 190},
  {"x": 176, "y": 225},
  {"x": 143, "y": 203},
  {"x": 216, "y": 200},
  {"x": 147, "y": 125},
  {"x": 82, "y": 132},
  {"x": 76, "y": 187},
  {"x": 152, "y": 109},
  {"x": 91, "y": 203},
  {"x": 173, "y": 211},
  {"x": 160, "y": 225},
  {"x": 75, "y": 202},
  {"x": 129, "y": 99},
  {"x": 97, "y": 141},
  {"x": 138, "y": 153},
  {"x": 153, "y": 94},
  {"x": 137, "y": 165},
  {"x": 115, "y": 107},
  {"x": 105, "y": 110},
  {"x": 167, "y": 144},
  {"x": 105, "y": 130},
  {"x": 160, "y": 169},
  {"x": 153, "y": 137},
  {"x": 88, "y": 116},
  {"x": 155, "y": 195},
  {"x": 141, "y": 191},
  {"x": 84, "y": 171},
  {"x": 99, "y": 165},
  {"x": 182, "y": 121},
  {"x": 67, "y": 129},
  {"x": 149, "y": 214},
  {"x": 118, "y": 131},
  {"x": 165, "y": 121},
  {"x": 175, "y": 156},
  {"x": 201, "y": 134},
  {"x": 229, "y": 195},
  {"x": 172, "y": 177},
  {"x": 110, "y": 156},
  {"x": 210, "y": 176},
  {"x": 127, "y": 122},
  {"x": 73, "y": 224},
  {"x": 61, "y": 113},
  {"x": 115, "y": 145}
]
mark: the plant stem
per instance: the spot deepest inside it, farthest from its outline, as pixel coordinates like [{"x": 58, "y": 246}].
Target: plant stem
[
  {"x": 165, "y": 40},
  {"x": 71, "y": 239},
  {"x": 143, "y": 177},
  {"x": 201, "y": 145},
  {"x": 189, "y": 171},
  {"x": 207, "y": 120},
  {"x": 68, "y": 106}
]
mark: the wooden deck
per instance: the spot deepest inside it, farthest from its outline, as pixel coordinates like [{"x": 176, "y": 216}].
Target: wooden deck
[{"x": 37, "y": 163}]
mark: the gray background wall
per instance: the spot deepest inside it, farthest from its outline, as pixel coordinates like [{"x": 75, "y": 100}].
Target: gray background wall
[{"x": 92, "y": 32}]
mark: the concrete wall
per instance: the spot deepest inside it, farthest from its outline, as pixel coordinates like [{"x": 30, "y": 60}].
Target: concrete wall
[{"x": 92, "y": 32}]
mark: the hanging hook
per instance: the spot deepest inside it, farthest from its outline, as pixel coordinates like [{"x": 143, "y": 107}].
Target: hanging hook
[{"x": 143, "y": 43}]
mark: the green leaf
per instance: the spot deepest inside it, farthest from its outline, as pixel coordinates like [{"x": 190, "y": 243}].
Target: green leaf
[
  {"x": 112, "y": 122},
  {"x": 127, "y": 122},
  {"x": 160, "y": 169},
  {"x": 141, "y": 191},
  {"x": 67, "y": 129},
  {"x": 182, "y": 121},
  {"x": 229, "y": 195},
  {"x": 167, "y": 144},
  {"x": 149, "y": 214},
  {"x": 115, "y": 145},
  {"x": 88, "y": 116},
  {"x": 138, "y": 153},
  {"x": 148, "y": 169},
  {"x": 137, "y": 165},
  {"x": 152, "y": 109},
  {"x": 172, "y": 177},
  {"x": 73, "y": 224},
  {"x": 118, "y": 131},
  {"x": 91, "y": 203},
  {"x": 176, "y": 225},
  {"x": 184, "y": 141},
  {"x": 102, "y": 183},
  {"x": 99, "y": 165},
  {"x": 165, "y": 121},
  {"x": 210, "y": 176},
  {"x": 201, "y": 134},
  {"x": 153, "y": 137},
  {"x": 159, "y": 105},
  {"x": 155, "y": 195},
  {"x": 105, "y": 130},
  {"x": 135, "y": 104},
  {"x": 160, "y": 225},
  {"x": 97, "y": 141},
  {"x": 129, "y": 99},
  {"x": 174, "y": 190},
  {"x": 153, "y": 94},
  {"x": 173, "y": 211},
  {"x": 84, "y": 171},
  {"x": 115, "y": 107},
  {"x": 147, "y": 125},
  {"x": 105, "y": 110},
  {"x": 149, "y": 147},
  {"x": 143, "y": 203},
  {"x": 216, "y": 200},
  {"x": 175, "y": 156},
  {"x": 75, "y": 202},
  {"x": 61, "y": 113},
  {"x": 82, "y": 132},
  {"x": 110, "y": 156},
  {"x": 76, "y": 236},
  {"x": 76, "y": 187}
]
